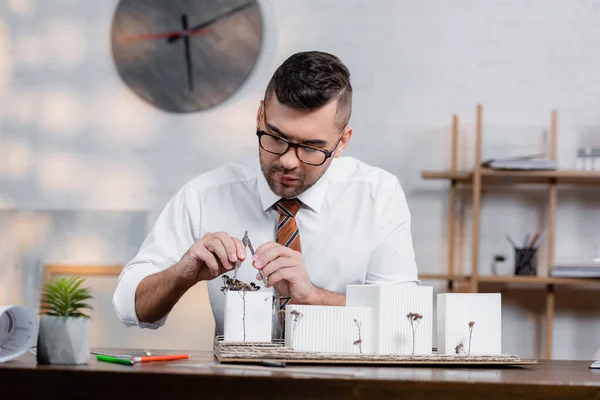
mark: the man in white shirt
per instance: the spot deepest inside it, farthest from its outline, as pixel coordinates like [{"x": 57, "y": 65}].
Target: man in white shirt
[{"x": 320, "y": 222}]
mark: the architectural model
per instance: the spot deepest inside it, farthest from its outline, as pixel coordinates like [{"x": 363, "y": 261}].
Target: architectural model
[
  {"x": 329, "y": 329},
  {"x": 377, "y": 319},
  {"x": 469, "y": 323},
  {"x": 402, "y": 316},
  {"x": 248, "y": 312}
]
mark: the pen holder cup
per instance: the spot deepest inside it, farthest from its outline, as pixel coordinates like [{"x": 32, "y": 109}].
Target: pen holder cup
[{"x": 525, "y": 261}]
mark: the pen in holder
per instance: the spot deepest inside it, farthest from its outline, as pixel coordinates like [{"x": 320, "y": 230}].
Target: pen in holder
[{"x": 525, "y": 261}]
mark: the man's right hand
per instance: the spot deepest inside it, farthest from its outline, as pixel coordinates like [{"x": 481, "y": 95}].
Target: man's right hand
[{"x": 209, "y": 257}]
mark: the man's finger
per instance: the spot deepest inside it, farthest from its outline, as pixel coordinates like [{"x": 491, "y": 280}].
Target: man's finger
[
  {"x": 228, "y": 245},
  {"x": 241, "y": 249},
  {"x": 282, "y": 274},
  {"x": 264, "y": 247},
  {"x": 209, "y": 259},
  {"x": 278, "y": 263},
  {"x": 215, "y": 246},
  {"x": 271, "y": 254}
]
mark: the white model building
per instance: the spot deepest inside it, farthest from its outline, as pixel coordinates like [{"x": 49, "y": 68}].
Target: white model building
[
  {"x": 393, "y": 330},
  {"x": 382, "y": 312},
  {"x": 377, "y": 319},
  {"x": 469, "y": 323},
  {"x": 329, "y": 329},
  {"x": 248, "y": 316}
]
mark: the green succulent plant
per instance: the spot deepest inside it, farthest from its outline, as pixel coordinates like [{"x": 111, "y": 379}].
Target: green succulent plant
[{"x": 63, "y": 297}]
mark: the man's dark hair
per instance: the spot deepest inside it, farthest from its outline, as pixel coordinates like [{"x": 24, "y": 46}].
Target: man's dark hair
[{"x": 310, "y": 80}]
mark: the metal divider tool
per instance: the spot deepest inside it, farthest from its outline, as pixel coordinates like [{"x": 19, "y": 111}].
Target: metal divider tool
[{"x": 248, "y": 244}]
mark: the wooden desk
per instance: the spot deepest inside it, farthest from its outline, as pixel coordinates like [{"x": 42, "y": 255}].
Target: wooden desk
[{"x": 194, "y": 379}]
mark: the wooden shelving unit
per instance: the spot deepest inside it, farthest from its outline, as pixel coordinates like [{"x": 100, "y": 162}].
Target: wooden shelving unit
[
  {"x": 527, "y": 280},
  {"x": 480, "y": 176},
  {"x": 504, "y": 176}
]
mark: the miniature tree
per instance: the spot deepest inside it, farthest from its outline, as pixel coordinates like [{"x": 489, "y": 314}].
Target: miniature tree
[
  {"x": 461, "y": 347},
  {"x": 414, "y": 319},
  {"x": 241, "y": 288},
  {"x": 296, "y": 317},
  {"x": 359, "y": 341},
  {"x": 471, "y": 324}
]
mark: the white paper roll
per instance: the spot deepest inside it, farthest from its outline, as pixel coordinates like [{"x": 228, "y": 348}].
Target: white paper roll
[{"x": 18, "y": 331}]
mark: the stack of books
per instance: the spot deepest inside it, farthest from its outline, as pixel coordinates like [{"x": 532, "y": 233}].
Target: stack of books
[
  {"x": 580, "y": 270},
  {"x": 531, "y": 162}
]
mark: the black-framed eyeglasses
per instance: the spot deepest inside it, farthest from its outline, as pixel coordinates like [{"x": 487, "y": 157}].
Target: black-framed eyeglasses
[{"x": 307, "y": 154}]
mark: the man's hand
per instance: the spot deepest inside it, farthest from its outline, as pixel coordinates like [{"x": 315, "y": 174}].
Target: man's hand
[
  {"x": 285, "y": 271},
  {"x": 209, "y": 257}
]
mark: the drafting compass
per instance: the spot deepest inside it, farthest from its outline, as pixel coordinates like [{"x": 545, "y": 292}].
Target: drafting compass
[
  {"x": 248, "y": 244},
  {"x": 281, "y": 302}
]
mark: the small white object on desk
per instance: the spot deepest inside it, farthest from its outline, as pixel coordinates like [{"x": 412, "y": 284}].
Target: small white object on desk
[
  {"x": 329, "y": 329},
  {"x": 469, "y": 323},
  {"x": 248, "y": 316},
  {"x": 595, "y": 365}
]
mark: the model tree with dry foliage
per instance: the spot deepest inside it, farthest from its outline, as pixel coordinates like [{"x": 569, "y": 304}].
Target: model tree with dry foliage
[
  {"x": 461, "y": 347},
  {"x": 414, "y": 319},
  {"x": 296, "y": 317},
  {"x": 241, "y": 288},
  {"x": 358, "y": 342}
]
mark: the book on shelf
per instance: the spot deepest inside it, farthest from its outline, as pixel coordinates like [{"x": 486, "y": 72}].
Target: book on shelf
[
  {"x": 529, "y": 162},
  {"x": 588, "y": 269}
]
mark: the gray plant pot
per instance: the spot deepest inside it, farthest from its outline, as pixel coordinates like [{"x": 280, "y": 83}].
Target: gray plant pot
[{"x": 63, "y": 340}]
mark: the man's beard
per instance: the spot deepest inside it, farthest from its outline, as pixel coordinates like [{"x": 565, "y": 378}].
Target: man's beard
[{"x": 287, "y": 192}]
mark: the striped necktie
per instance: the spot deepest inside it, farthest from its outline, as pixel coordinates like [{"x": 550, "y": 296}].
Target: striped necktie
[{"x": 287, "y": 230}]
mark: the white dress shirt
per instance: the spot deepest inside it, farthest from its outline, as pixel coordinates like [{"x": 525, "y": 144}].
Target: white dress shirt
[{"x": 354, "y": 229}]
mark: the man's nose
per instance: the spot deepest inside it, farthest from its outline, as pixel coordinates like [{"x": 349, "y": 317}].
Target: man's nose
[{"x": 289, "y": 160}]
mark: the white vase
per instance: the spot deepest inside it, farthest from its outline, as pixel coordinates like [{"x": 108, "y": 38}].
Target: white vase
[{"x": 63, "y": 340}]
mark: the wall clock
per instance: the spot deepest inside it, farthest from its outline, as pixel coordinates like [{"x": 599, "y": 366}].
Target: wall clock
[{"x": 185, "y": 55}]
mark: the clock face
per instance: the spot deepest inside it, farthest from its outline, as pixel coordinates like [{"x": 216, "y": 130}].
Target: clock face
[{"x": 185, "y": 55}]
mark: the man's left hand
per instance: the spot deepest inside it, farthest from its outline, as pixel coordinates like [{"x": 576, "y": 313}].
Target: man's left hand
[{"x": 284, "y": 269}]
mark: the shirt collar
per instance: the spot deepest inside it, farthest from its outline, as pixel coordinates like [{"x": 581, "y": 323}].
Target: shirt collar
[{"x": 313, "y": 198}]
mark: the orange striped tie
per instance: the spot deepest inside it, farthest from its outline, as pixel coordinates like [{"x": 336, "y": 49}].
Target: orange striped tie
[{"x": 287, "y": 230}]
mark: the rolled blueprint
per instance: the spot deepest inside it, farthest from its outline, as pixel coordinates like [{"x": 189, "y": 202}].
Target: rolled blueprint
[{"x": 18, "y": 331}]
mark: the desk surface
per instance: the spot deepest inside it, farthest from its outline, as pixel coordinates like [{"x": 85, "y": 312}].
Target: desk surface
[{"x": 202, "y": 377}]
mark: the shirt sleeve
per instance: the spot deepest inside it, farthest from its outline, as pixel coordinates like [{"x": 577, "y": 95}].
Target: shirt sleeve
[
  {"x": 174, "y": 232},
  {"x": 392, "y": 259}
]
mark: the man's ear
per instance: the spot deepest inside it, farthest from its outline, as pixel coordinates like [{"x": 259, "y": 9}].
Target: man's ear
[
  {"x": 259, "y": 112},
  {"x": 343, "y": 142}
]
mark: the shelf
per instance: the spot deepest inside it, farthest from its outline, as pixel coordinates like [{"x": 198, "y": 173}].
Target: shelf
[
  {"x": 512, "y": 176},
  {"x": 528, "y": 280},
  {"x": 442, "y": 277},
  {"x": 538, "y": 280},
  {"x": 475, "y": 180}
]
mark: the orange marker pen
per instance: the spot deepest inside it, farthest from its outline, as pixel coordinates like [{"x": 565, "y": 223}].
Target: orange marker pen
[{"x": 171, "y": 357}]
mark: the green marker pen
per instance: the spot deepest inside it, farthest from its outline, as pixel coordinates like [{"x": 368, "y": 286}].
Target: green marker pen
[{"x": 115, "y": 360}]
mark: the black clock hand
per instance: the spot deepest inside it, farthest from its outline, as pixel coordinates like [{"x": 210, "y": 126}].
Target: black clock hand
[
  {"x": 164, "y": 35},
  {"x": 211, "y": 21},
  {"x": 188, "y": 57}
]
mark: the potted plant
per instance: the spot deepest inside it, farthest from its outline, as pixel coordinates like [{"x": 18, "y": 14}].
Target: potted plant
[{"x": 64, "y": 331}]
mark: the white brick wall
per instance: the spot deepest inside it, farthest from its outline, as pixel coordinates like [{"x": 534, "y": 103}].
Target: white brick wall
[{"x": 74, "y": 137}]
